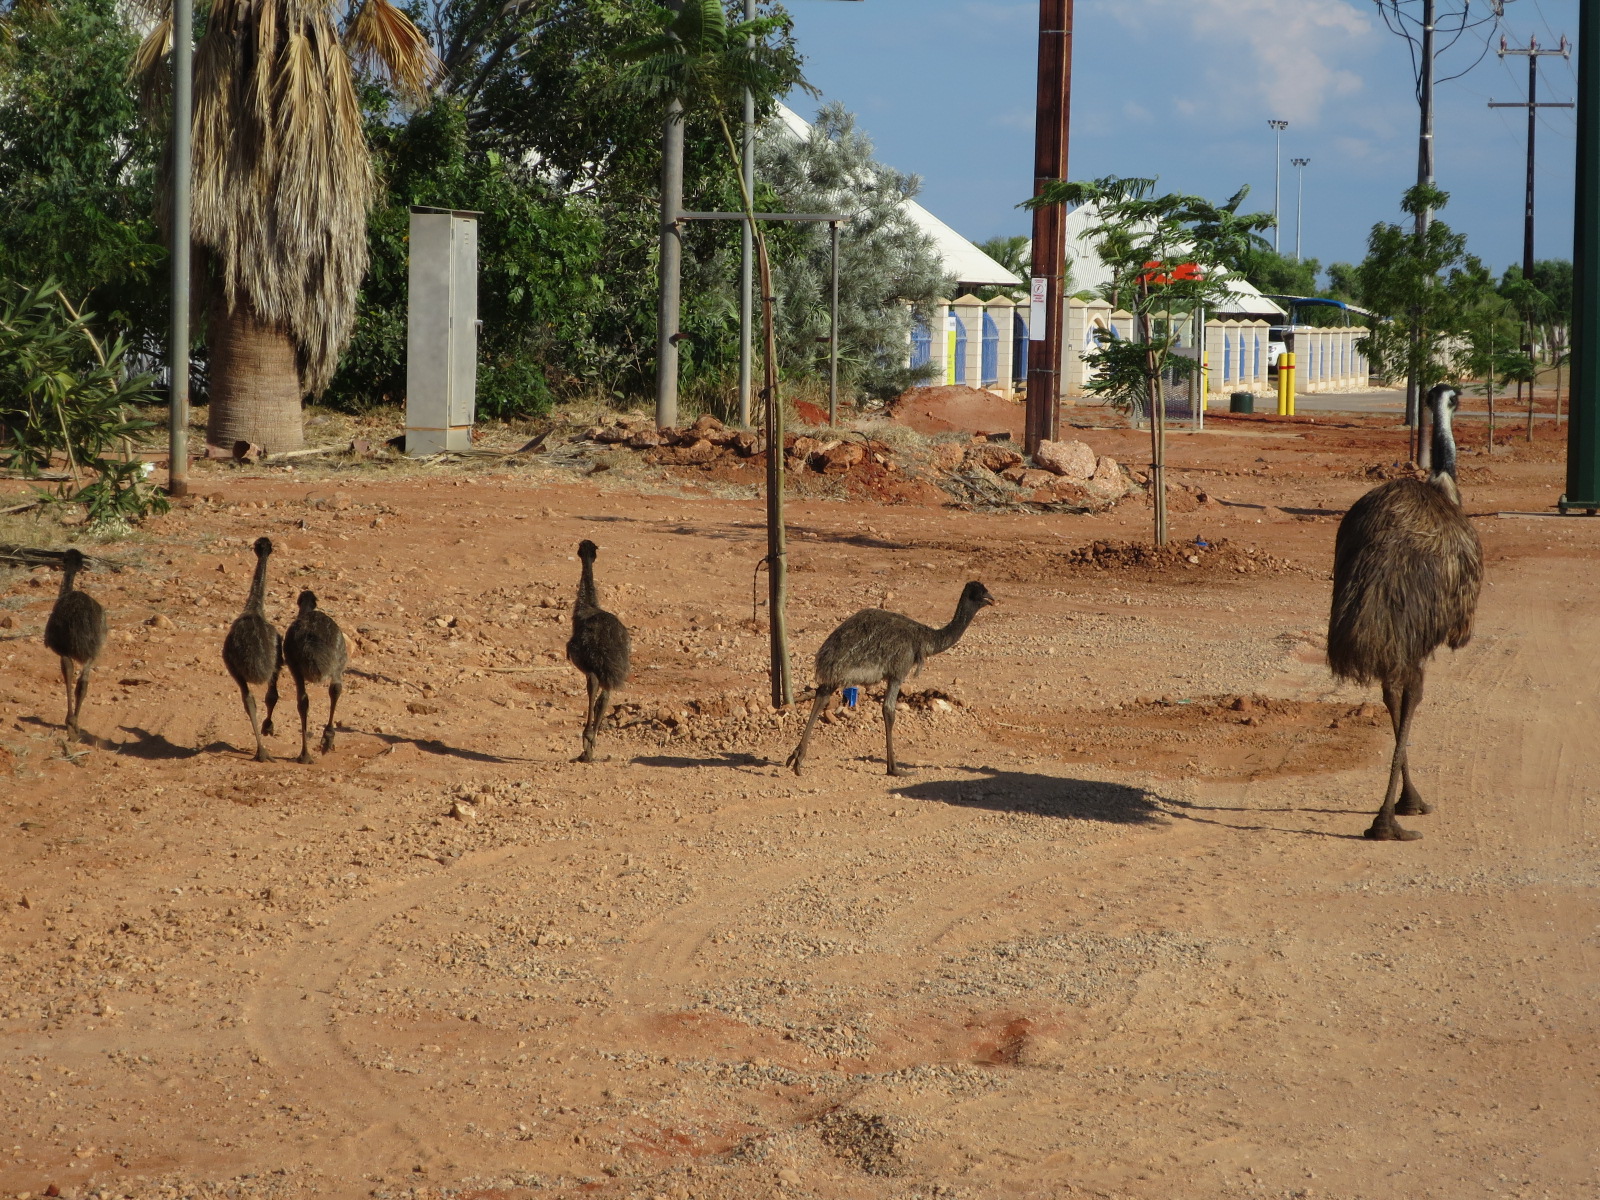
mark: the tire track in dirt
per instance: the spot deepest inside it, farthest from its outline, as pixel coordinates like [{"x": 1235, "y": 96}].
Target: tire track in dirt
[{"x": 290, "y": 1025}]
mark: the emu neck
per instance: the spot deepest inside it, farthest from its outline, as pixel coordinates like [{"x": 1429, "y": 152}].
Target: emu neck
[
  {"x": 588, "y": 600},
  {"x": 256, "y": 601},
  {"x": 944, "y": 638},
  {"x": 1443, "y": 447},
  {"x": 68, "y": 576}
]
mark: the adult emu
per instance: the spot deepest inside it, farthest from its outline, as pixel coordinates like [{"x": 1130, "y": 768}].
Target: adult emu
[
  {"x": 315, "y": 649},
  {"x": 253, "y": 650},
  {"x": 877, "y": 646},
  {"x": 1407, "y": 567},
  {"x": 75, "y": 630},
  {"x": 598, "y": 647}
]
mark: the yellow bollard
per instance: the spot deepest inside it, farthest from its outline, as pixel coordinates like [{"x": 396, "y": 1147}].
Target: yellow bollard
[{"x": 1286, "y": 384}]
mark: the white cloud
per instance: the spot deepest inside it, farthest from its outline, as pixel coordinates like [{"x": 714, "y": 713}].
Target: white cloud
[{"x": 1289, "y": 56}]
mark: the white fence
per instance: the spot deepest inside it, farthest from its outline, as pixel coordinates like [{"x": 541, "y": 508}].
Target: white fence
[{"x": 984, "y": 344}]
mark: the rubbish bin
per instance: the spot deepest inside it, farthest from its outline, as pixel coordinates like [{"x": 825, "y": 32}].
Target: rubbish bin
[{"x": 1242, "y": 402}]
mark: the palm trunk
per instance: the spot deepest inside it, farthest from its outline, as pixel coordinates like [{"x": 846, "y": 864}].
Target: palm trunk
[{"x": 254, "y": 383}]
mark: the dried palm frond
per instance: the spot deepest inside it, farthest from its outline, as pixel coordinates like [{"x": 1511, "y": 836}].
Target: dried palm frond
[{"x": 282, "y": 174}]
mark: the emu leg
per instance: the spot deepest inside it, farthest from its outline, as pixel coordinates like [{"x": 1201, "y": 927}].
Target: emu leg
[
  {"x": 335, "y": 690},
  {"x": 272, "y": 701},
  {"x": 798, "y": 758},
  {"x": 71, "y": 721},
  {"x": 303, "y": 703},
  {"x": 255, "y": 722},
  {"x": 81, "y": 691},
  {"x": 1411, "y": 803},
  {"x": 1384, "y": 827},
  {"x": 587, "y": 755},
  {"x": 891, "y": 697}
]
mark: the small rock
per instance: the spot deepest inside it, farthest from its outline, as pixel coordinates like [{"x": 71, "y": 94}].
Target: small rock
[
  {"x": 160, "y": 621},
  {"x": 995, "y": 456},
  {"x": 839, "y": 459},
  {"x": 1032, "y": 478},
  {"x": 706, "y": 424},
  {"x": 7, "y": 621},
  {"x": 463, "y": 811}
]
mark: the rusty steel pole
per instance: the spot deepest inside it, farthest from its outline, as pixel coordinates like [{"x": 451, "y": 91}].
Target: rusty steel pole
[{"x": 1051, "y": 122}]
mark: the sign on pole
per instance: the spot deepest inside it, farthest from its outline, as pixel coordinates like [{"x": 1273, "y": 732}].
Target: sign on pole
[{"x": 1038, "y": 298}]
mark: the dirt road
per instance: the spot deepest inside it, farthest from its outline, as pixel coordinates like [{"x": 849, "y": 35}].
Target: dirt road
[{"x": 1117, "y": 935}]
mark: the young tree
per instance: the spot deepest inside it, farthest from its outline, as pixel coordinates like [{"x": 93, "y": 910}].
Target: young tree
[
  {"x": 1425, "y": 286},
  {"x": 888, "y": 268},
  {"x": 282, "y": 188},
  {"x": 1169, "y": 256},
  {"x": 698, "y": 61}
]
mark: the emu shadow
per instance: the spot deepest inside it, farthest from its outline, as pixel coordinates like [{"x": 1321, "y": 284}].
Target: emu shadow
[
  {"x": 156, "y": 746},
  {"x": 435, "y": 746},
  {"x": 1188, "y": 811},
  {"x": 729, "y": 759},
  {"x": 1045, "y": 796}
]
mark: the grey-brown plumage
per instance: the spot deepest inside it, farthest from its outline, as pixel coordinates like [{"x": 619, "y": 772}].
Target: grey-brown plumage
[
  {"x": 76, "y": 631},
  {"x": 1407, "y": 568},
  {"x": 877, "y": 646},
  {"x": 314, "y": 647},
  {"x": 598, "y": 647},
  {"x": 253, "y": 650}
]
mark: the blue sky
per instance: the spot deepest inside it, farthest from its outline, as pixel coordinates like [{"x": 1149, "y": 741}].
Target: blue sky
[{"x": 1183, "y": 89}]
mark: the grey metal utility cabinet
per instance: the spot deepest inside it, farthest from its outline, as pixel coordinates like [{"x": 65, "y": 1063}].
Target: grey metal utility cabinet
[{"x": 441, "y": 330}]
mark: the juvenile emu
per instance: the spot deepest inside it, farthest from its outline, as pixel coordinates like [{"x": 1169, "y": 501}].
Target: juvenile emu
[
  {"x": 253, "y": 650},
  {"x": 76, "y": 630},
  {"x": 314, "y": 647},
  {"x": 877, "y": 646},
  {"x": 598, "y": 647},
  {"x": 1407, "y": 567}
]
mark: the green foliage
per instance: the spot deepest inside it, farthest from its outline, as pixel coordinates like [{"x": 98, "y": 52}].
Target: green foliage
[
  {"x": 1119, "y": 374},
  {"x": 77, "y": 165},
  {"x": 538, "y": 282},
  {"x": 1169, "y": 255},
  {"x": 61, "y": 392},
  {"x": 888, "y": 268},
  {"x": 1429, "y": 288},
  {"x": 1277, "y": 274}
]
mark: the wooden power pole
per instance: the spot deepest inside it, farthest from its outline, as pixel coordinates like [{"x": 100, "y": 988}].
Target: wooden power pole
[{"x": 1051, "y": 122}]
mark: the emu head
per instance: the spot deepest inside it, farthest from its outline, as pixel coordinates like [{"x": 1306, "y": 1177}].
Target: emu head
[
  {"x": 263, "y": 547},
  {"x": 975, "y": 595},
  {"x": 587, "y": 550},
  {"x": 72, "y": 559},
  {"x": 308, "y": 601}
]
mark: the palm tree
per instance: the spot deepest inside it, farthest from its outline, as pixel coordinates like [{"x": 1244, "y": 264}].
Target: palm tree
[{"x": 282, "y": 187}]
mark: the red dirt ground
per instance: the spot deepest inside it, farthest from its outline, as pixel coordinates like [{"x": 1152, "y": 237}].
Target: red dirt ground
[{"x": 1116, "y": 935}]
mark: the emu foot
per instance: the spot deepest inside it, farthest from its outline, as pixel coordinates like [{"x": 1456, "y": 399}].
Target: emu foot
[
  {"x": 262, "y": 755},
  {"x": 327, "y": 740},
  {"x": 586, "y": 756},
  {"x": 793, "y": 762},
  {"x": 1412, "y": 805},
  {"x": 266, "y": 728},
  {"x": 305, "y": 757},
  {"x": 897, "y": 772},
  {"x": 1379, "y": 832}
]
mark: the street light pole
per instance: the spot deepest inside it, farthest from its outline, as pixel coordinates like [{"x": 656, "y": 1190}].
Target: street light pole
[
  {"x": 1299, "y": 200},
  {"x": 1277, "y": 174}
]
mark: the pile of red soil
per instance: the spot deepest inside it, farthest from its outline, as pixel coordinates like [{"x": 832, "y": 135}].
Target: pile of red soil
[{"x": 957, "y": 409}]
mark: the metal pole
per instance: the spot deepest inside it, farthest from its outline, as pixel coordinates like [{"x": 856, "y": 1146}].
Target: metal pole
[
  {"x": 1423, "y": 220},
  {"x": 182, "y": 154},
  {"x": 1299, "y": 200},
  {"x": 1533, "y": 112},
  {"x": 747, "y": 245},
  {"x": 1583, "y": 424},
  {"x": 671, "y": 261},
  {"x": 1052, "y": 120},
  {"x": 833, "y": 333},
  {"x": 1277, "y": 174}
]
